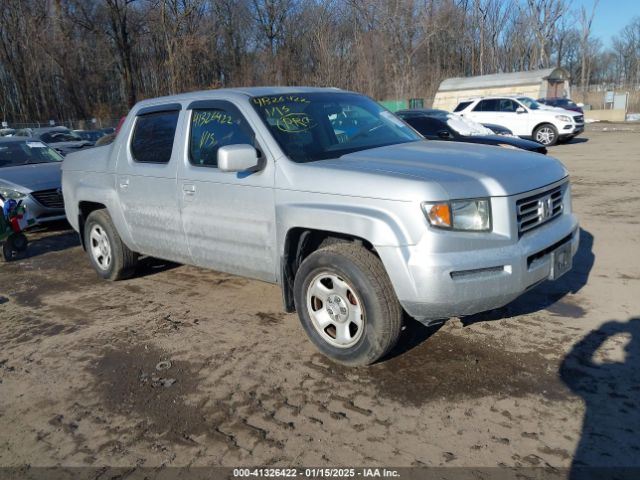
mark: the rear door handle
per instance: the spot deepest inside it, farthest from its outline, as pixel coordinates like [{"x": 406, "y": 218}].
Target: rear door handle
[
  {"x": 124, "y": 183},
  {"x": 189, "y": 189}
]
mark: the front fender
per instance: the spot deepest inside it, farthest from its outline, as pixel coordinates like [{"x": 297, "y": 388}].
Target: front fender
[{"x": 385, "y": 224}]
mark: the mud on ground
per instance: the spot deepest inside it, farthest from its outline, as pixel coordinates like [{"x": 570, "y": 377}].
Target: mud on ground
[{"x": 182, "y": 366}]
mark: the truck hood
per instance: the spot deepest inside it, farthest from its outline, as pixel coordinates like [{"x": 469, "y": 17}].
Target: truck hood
[
  {"x": 439, "y": 170},
  {"x": 37, "y": 176}
]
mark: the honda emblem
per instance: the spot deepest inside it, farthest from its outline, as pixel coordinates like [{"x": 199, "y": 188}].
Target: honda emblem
[{"x": 545, "y": 208}]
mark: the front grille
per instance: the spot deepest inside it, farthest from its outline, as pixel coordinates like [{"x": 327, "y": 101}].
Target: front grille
[
  {"x": 579, "y": 118},
  {"x": 49, "y": 198},
  {"x": 538, "y": 209}
]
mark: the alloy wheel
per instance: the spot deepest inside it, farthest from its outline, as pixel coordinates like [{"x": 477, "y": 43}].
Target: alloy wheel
[
  {"x": 545, "y": 135},
  {"x": 335, "y": 310},
  {"x": 100, "y": 247}
]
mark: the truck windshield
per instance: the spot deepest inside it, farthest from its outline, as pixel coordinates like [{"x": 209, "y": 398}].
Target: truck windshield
[{"x": 317, "y": 126}]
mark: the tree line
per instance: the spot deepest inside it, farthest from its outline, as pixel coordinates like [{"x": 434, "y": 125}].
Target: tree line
[{"x": 79, "y": 59}]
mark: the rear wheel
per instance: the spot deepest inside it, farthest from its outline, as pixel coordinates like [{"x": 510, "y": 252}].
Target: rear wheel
[
  {"x": 347, "y": 305},
  {"x": 110, "y": 257},
  {"x": 546, "y": 134}
]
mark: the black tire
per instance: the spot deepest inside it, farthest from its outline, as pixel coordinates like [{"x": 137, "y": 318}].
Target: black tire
[
  {"x": 13, "y": 246},
  {"x": 20, "y": 242},
  {"x": 546, "y": 134},
  {"x": 371, "y": 292},
  {"x": 8, "y": 252},
  {"x": 122, "y": 262}
]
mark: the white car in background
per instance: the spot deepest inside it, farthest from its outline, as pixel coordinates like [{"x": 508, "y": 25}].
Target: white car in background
[{"x": 524, "y": 117}]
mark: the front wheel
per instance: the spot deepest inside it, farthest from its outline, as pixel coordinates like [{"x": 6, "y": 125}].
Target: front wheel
[
  {"x": 110, "y": 257},
  {"x": 546, "y": 134},
  {"x": 347, "y": 305}
]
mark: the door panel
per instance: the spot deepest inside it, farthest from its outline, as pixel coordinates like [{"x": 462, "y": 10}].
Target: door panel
[
  {"x": 228, "y": 217},
  {"x": 510, "y": 118},
  {"x": 147, "y": 186},
  {"x": 485, "y": 111}
]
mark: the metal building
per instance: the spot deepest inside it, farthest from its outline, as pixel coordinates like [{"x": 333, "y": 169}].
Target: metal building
[{"x": 550, "y": 82}]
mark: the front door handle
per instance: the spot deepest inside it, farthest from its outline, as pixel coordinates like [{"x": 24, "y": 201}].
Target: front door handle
[
  {"x": 124, "y": 183},
  {"x": 189, "y": 189}
]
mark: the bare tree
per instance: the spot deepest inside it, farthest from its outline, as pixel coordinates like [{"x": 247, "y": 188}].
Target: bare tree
[
  {"x": 118, "y": 29},
  {"x": 545, "y": 14},
  {"x": 62, "y": 59},
  {"x": 271, "y": 16},
  {"x": 586, "y": 19}
]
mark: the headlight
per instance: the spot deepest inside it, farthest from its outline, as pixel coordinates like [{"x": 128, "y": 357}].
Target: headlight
[
  {"x": 471, "y": 215},
  {"x": 506, "y": 145},
  {"x": 564, "y": 118},
  {"x": 11, "y": 193}
]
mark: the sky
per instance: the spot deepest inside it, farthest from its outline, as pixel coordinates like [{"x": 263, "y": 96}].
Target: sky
[{"x": 611, "y": 16}]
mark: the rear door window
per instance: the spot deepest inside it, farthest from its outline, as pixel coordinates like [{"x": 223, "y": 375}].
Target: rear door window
[
  {"x": 153, "y": 137},
  {"x": 489, "y": 105}
]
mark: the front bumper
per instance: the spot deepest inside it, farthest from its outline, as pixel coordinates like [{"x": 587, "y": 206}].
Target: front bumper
[
  {"x": 571, "y": 130},
  {"x": 440, "y": 285},
  {"x": 40, "y": 213}
]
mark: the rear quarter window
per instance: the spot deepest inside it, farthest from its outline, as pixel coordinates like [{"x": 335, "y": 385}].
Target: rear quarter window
[
  {"x": 461, "y": 106},
  {"x": 153, "y": 137}
]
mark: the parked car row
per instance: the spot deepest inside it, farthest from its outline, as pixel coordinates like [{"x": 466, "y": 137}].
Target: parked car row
[{"x": 60, "y": 138}]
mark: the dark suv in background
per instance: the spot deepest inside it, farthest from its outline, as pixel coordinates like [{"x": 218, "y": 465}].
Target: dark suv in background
[{"x": 565, "y": 103}]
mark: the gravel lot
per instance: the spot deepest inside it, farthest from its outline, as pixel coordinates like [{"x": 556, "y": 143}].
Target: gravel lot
[{"x": 550, "y": 378}]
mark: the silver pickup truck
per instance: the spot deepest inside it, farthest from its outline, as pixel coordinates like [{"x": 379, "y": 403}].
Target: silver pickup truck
[{"x": 324, "y": 192}]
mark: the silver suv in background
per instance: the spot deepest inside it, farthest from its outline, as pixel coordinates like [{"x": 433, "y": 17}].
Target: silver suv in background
[
  {"x": 329, "y": 195},
  {"x": 524, "y": 117}
]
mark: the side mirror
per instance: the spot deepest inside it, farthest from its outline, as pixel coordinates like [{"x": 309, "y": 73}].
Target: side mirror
[
  {"x": 237, "y": 158},
  {"x": 444, "y": 135},
  {"x": 520, "y": 110},
  {"x": 580, "y": 104}
]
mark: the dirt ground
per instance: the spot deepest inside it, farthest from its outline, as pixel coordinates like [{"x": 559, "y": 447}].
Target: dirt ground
[{"x": 551, "y": 377}]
